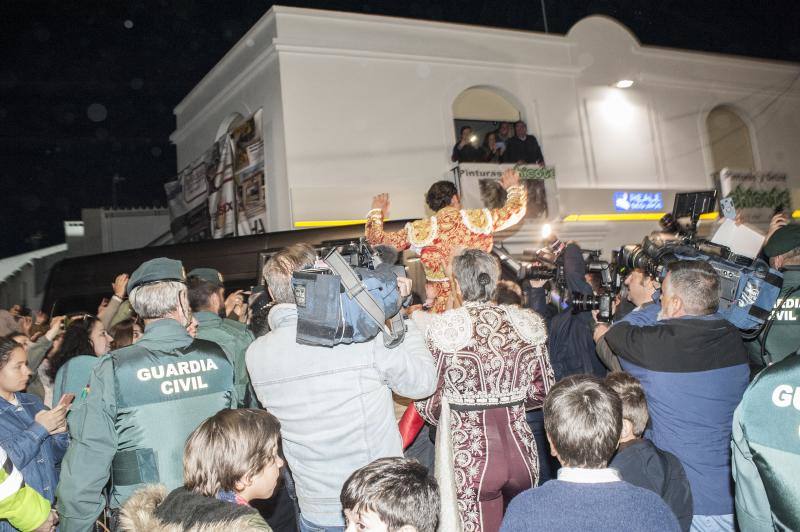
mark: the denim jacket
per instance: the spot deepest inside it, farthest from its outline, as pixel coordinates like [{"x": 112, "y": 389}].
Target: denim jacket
[
  {"x": 335, "y": 404},
  {"x": 33, "y": 450}
]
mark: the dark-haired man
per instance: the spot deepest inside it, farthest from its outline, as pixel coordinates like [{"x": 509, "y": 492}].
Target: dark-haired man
[
  {"x": 207, "y": 299},
  {"x": 450, "y": 230},
  {"x": 466, "y": 149},
  {"x": 523, "y": 147},
  {"x": 693, "y": 367}
]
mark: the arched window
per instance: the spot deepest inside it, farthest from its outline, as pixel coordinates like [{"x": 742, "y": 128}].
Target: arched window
[
  {"x": 729, "y": 137},
  {"x": 483, "y": 110},
  {"x": 230, "y": 122}
]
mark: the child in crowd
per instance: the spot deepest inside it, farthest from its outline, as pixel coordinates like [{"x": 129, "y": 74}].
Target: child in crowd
[
  {"x": 639, "y": 461},
  {"x": 229, "y": 460},
  {"x": 583, "y": 420},
  {"x": 391, "y": 495}
]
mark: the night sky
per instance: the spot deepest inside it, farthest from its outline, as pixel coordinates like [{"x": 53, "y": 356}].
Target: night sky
[{"x": 87, "y": 88}]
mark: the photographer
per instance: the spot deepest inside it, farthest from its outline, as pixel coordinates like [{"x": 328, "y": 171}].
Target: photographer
[
  {"x": 334, "y": 403},
  {"x": 569, "y": 339},
  {"x": 693, "y": 366},
  {"x": 570, "y": 343},
  {"x": 643, "y": 293}
]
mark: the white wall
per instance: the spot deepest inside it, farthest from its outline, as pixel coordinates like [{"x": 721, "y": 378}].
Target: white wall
[{"x": 355, "y": 105}]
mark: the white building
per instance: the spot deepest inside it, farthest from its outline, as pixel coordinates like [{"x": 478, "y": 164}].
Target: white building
[{"x": 354, "y": 105}]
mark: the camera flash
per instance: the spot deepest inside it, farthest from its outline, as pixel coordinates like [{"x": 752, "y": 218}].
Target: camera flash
[
  {"x": 546, "y": 230},
  {"x": 473, "y": 138}
]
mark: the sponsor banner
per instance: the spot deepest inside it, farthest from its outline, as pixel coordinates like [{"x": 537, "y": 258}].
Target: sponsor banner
[
  {"x": 756, "y": 195},
  {"x": 479, "y": 186},
  {"x": 625, "y": 201}
]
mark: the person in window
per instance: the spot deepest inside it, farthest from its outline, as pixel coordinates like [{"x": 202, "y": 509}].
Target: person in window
[
  {"x": 466, "y": 150},
  {"x": 503, "y": 133},
  {"x": 492, "y": 150},
  {"x": 523, "y": 147}
]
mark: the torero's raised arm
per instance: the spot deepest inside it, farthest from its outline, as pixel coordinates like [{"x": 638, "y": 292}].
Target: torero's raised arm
[
  {"x": 516, "y": 202},
  {"x": 374, "y": 226}
]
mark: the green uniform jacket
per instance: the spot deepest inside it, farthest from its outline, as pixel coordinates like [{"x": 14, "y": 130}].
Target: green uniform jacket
[
  {"x": 766, "y": 450},
  {"x": 142, "y": 403},
  {"x": 234, "y": 338},
  {"x": 784, "y": 336}
]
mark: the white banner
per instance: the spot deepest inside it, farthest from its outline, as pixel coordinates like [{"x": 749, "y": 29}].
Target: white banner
[{"x": 479, "y": 187}]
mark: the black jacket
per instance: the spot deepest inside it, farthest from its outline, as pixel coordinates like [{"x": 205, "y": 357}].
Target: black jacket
[
  {"x": 643, "y": 464},
  {"x": 569, "y": 340},
  {"x": 527, "y": 150}
]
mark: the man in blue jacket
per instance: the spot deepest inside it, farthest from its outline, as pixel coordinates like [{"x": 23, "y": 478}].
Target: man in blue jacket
[{"x": 693, "y": 367}]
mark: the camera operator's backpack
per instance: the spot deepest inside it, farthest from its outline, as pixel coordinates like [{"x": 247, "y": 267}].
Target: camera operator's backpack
[{"x": 349, "y": 305}]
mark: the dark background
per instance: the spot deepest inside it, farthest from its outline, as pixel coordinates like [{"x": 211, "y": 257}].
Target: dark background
[{"x": 87, "y": 88}]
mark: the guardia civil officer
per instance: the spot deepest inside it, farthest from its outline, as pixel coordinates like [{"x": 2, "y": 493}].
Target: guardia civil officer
[
  {"x": 781, "y": 335},
  {"x": 207, "y": 299},
  {"x": 142, "y": 403},
  {"x": 766, "y": 449}
]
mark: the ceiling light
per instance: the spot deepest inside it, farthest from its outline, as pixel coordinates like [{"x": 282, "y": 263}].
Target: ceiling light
[{"x": 624, "y": 84}]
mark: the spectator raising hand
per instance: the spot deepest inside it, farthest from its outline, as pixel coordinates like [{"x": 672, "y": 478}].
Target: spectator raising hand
[{"x": 120, "y": 284}]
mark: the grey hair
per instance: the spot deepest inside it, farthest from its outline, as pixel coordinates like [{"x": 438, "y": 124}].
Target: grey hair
[
  {"x": 278, "y": 272},
  {"x": 696, "y": 283},
  {"x": 468, "y": 269},
  {"x": 157, "y": 300}
]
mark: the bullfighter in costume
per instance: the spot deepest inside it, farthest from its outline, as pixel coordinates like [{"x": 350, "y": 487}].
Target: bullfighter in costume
[
  {"x": 492, "y": 363},
  {"x": 452, "y": 228}
]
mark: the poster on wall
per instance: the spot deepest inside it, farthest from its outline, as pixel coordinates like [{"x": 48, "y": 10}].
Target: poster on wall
[
  {"x": 249, "y": 171},
  {"x": 479, "y": 187},
  {"x": 756, "y": 195},
  {"x": 223, "y": 192},
  {"x": 187, "y": 198}
]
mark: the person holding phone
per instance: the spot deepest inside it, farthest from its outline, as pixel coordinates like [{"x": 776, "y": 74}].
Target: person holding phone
[{"x": 34, "y": 437}]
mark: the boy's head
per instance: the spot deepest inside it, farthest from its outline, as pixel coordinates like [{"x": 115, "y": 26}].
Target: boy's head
[
  {"x": 234, "y": 450},
  {"x": 634, "y": 404},
  {"x": 391, "y": 495},
  {"x": 583, "y": 420}
]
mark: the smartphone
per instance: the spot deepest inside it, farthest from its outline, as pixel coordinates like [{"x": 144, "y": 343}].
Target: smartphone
[
  {"x": 728, "y": 208},
  {"x": 66, "y": 399}
]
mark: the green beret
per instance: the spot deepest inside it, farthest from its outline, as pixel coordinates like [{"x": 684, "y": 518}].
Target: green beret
[
  {"x": 156, "y": 270},
  {"x": 210, "y": 275},
  {"x": 783, "y": 240}
]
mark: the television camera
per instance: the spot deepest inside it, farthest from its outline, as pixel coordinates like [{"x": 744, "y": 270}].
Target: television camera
[
  {"x": 349, "y": 296},
  {"x": 749, "y": 287}
]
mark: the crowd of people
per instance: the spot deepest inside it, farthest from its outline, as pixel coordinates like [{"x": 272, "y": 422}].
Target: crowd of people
[
  {"x": 509, "y": 143},
  {"x": 180, "y": 407}
]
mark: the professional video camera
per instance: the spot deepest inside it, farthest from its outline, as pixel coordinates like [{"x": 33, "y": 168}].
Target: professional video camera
[
  {"x": 540, "y": 268},
  {"x": 349, "y": 297},
  {"x": 749, "y": 286}
]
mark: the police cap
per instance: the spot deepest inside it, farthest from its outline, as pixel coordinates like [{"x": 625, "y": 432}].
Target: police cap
[
  {"x": 783, "y": 240},
  {"x": 157, "y": 270},
  {"x": 210, "y": 275}
]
